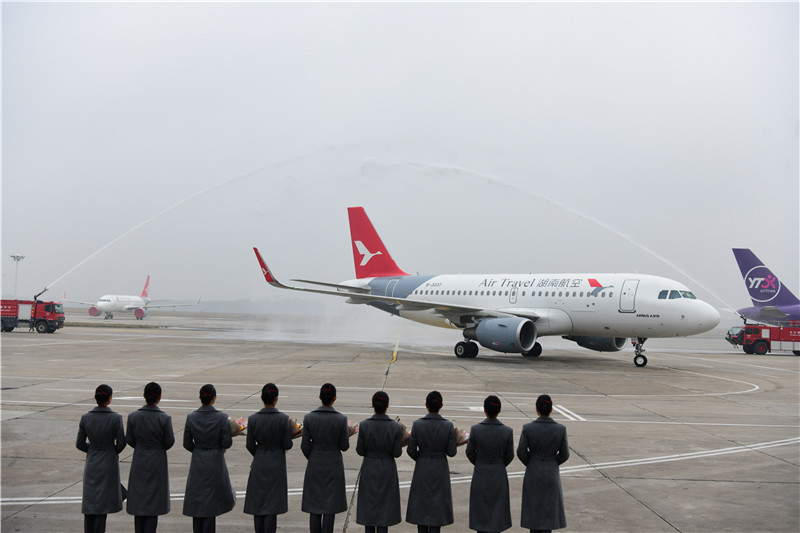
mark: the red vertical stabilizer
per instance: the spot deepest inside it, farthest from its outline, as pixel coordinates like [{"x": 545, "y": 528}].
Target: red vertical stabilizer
[
  {"x": 146, "y": 285},
  {"x": 371, "y": 258}
]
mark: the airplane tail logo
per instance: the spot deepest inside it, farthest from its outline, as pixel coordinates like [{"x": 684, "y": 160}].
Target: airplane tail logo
[
  {"x": 370, "y": 256},
  {"x": 146, "y": 287},
  {"x": 763, "y": 286}
]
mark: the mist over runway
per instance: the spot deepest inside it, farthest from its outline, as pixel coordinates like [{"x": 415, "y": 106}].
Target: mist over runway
[{"x": 684, "y": 444}]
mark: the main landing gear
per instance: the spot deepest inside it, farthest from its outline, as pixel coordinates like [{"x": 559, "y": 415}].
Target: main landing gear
[
  {"x": 639, "y": 359},
  {"x": 536, "y": 351},
  {"x": 466, "y": 350},
  {"x": 109, "y": 316}
]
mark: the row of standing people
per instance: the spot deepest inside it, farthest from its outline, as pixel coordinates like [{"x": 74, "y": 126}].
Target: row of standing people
[{"x": 325, "y": 435}]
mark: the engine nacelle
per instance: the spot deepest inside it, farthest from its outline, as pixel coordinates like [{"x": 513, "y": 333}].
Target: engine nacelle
[
  {"x": 140, "y": 313},
  {"x": 94, "y": 311},
  {"x": 599, "y": 344},
  {"x": 508, "y": 335}
]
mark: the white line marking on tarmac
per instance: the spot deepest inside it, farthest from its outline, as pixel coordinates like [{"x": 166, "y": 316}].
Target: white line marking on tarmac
[
  {"x": 569, "y": 414},
  {"x": 53, "y": 500}
]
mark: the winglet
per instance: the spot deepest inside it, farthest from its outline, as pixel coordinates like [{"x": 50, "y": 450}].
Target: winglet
[
  {"x": 265, "y": 270},
  {"x": 370, "y": 255}
]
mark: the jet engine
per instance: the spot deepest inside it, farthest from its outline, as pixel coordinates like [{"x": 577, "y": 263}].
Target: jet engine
[
  {"x": 599, "y": 344},
  {"x": 140, "y": 313},
  {"x": 508, "y": 335},
  {"x": 94, "y": 311}
]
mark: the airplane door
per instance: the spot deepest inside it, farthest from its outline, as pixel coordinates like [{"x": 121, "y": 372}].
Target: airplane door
[
  {"x": 512, "y": 295},
  {"x": 390, "y": 287},
  {"x": 627, "y": 297}
]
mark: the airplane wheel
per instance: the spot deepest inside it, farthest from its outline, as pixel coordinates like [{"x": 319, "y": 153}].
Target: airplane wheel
[
  {"x": 462, "y": 350},
  {"x": 536, "y": 351},
  {"x": 640, "y": 360},
  {"x": 473, "y": 349},
  {"x": 760, "y": 348}
]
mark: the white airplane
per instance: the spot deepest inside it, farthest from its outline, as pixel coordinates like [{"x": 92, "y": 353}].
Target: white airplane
[
  {"x": 508, "y": 312},
  {"x": 124, "y": 303}
]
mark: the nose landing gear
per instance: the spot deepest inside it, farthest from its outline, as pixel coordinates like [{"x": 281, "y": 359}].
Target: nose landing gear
[{"x": 639, "y": 359}]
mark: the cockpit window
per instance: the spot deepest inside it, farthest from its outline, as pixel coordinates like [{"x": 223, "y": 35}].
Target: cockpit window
[
  {"x": 663, "y": 295},
  {"x": 674, "y": 295},
  {"x": 689, "y": 295}
]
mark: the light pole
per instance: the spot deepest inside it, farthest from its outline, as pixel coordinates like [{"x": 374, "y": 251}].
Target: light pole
[{"x": 17, "y": 257}]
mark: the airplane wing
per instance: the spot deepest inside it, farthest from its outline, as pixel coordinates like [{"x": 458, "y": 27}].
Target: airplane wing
[
  {"x": 152, "y": 306},
  {"x": 454, "y": 313},
  {"x": 79, "y": 302}
]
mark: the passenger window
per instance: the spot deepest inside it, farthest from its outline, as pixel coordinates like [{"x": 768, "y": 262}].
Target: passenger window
[
  {"x": 674, "y": 295},
  {"x": 663, "y": 295},
  {"x": 611, "y": 294}
]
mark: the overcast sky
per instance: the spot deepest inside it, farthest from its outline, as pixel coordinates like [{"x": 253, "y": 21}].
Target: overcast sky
[{"x": 514, "y": 137}]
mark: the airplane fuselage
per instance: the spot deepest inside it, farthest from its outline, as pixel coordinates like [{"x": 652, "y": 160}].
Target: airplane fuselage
[
  {"x": 120, "y": 303},
  {"x": 609, "y": 305}
]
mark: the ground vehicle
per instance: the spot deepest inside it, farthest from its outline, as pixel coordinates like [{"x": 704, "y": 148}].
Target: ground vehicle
[
  {"x": 44, "y": 317},
  {"x": 760, "y": 339}
]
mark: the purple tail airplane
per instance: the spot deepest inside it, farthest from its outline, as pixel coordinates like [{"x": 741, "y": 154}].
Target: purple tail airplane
[{"x": 773, "y": 303}]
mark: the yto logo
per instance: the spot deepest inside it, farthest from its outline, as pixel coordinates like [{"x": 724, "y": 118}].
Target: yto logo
[
  {"x": 762, "y": 284},
  {"x": 366, "y": 255}
]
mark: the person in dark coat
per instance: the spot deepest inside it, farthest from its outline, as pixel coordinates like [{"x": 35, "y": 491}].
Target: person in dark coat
[
  {"x": 432, "y": 440},
  {"x": 380, "y": 440},
  {"x": 207, "y": 435},
  {"x": 325, "y": 437},
  {"x": 150, "y": 434},
  {"x": 269, "y": 435},
  {"x": 102, "y": 437},
  {"x": 542, "y": 448},
  {"x": 491, "y": 449}
]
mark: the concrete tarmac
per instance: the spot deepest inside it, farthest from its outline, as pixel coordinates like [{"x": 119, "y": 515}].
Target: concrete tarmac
[{"x": 704, "y": 438}]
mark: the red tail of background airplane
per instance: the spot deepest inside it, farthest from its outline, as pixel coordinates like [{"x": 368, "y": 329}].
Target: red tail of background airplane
[
  {"x": 370, "y": 256},
  {"x": 146, "y": 285}
]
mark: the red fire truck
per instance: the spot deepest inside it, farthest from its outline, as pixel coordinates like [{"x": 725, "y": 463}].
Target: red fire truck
[
  {"x": 44, "y": 317},
  {"x": 761, "y": 339}
]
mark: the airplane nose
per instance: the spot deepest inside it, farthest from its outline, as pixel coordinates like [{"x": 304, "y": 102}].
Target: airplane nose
[{"x": 707, "y": 316}]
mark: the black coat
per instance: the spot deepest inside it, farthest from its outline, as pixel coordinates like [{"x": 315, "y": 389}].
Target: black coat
[
  {"x": 542, "y": 448},
  {"x": 150, "y": 435},
  {"x": 269, "y": 435},
  {"x": 430, "y": 499},
  {"x": 490, "y": 448},
  {"x": 379, "y": 442},
  {"x": 208, "y": 487},
  {"x": 102, "y": 438},
  {"x": 325, "y": 437}
]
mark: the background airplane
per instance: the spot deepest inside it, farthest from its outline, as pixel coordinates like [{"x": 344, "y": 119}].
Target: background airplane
[
  {"x": 123, "y": 303},
  {"x": 773, "y": 302},
  {"x": 508, "y": 312}
]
